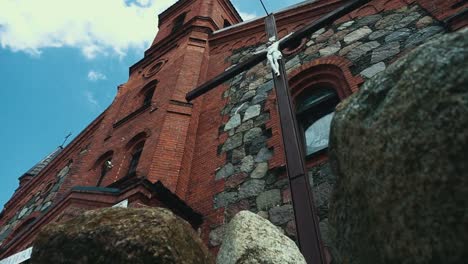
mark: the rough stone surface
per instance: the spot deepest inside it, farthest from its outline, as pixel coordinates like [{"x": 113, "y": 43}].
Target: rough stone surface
[
  {"x": 424, "y": 22},
  {"x": 121, "y": 235},
  {"x": 225, "y": 171},
  {"x": 225, "y": 198},
  {"x": 398, "y": 35},
  {"x": 422, "y": 35},
  {"x": 357, "y": 34},
  {"x": 268, "y": 199},
  {"x": 398, "y": 148},
  {"x": 251, "y": 239},
  {"x": 360, "y": 50},
  {"x": 216, "y": 236},
  {"x": 373, "y": 70},
  {"x": 251, "y": 188},
  {"x": 384, "y": 52},
  {"x": 247, "y": 164},
  {"x": 259, "y": 171},
  {"x": 235, "y": 121},
  {"x": 251, "y": 112},
  {"x": 264, "y": 155},
  {"x": 233, "y": 142},
  {"x": 330, "y": 49},
  {"x": 281, "y": 214},
  {"x": 252, "y": 134}
]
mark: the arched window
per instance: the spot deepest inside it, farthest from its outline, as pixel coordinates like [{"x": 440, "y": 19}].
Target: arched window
[
  {"x": 135, "y": 159},
  {"x": 103, "y": 165},
  {"x": 147, "y": 92},
  {"x": 314, "y": 111}
]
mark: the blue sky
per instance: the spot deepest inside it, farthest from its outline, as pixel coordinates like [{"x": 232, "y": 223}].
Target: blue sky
[{"x": 60, "y": 64}]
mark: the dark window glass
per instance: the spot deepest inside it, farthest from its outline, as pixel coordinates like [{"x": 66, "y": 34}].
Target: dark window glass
[
  {"x": 314, "y": 110},
  {"x": 226, "y": 23},
  {"x": 134, "y": 162},
  {"x": 178, "y": 23},
  {"x": 148, "y": 96}
]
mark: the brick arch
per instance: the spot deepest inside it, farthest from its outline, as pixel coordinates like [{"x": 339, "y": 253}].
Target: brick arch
[
  {"x": 332, "y": 71},
  {"x": 138, "y": 138}
]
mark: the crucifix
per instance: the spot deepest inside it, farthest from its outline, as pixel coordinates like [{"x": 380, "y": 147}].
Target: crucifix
[{"x": 306, "y": 218}]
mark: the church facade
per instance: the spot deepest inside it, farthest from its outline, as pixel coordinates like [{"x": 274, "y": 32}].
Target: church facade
[{"x": 222, "y": 153}]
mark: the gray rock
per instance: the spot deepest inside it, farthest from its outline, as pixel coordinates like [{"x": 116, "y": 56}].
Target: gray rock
[
  {"x": 357, "y": 34},
  {"x": 349, "y": 48},
  {"x": 398, "y": 148},
  {"x": 389, "y": 21},
  {"x": 235, "y": 121},
  {"x": 252, "y": 134},
  {"x": 318, "y": 33},
  {"x": 237, "y": 155},
  {"x": 225, "y": 171},
  {"x": 251, "y": 112},
  {"x": 345, "y": 25},
  {"x": 121, "y": 235},
  {"x": 281, "y": 214},
  {"x": 247, "y": 95},
  {"x": 373, "y": 70},
  {"x": 247, "y": 164},
  {"x": 266, "y": 87},
  {"x": 386, "y": 51},
  {"x": 233, "y": 142},
  {"x": 260, "y": 97},
  {"x": 378, "y": 34},
  {"x": 292, "y": 63},
  {"x": 251, "y": 188},
  {"x": 269, "y": 199},
  {"x": 259, "y": 171},
  {"x": 245, "y": 126},
  {"x": 225, "y": 198},
  {"x": 422, "y": 35},
  {"x": 216, "y": 236},
  {"x": 424, "y": 22},
  {"x": 361, "y": 50},
  {"x": 408, "y": 19},
  {"x": 330, "y": 49},
  {"x": 398, "y": 35},
  {"x": 251, "y": 239},
  {"x": 264, "y": 155},
  {"x": 368, "y": 20}
]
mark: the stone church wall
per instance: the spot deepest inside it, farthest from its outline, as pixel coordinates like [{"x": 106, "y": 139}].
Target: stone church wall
[{"x": 254, "y": 173}]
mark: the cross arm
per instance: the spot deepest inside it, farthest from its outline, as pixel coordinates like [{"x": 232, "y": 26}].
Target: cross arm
[
  {"x": 233, "y": 71},
  {"x": 259, "y": 57}
]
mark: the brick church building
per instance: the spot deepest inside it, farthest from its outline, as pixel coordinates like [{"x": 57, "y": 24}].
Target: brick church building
[{"x": 222, "y": 152}]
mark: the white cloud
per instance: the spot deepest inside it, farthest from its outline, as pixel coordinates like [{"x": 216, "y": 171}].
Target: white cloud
[
  {"x": 95, "y": 27},
  {"x": 96, "y": 76},
  {"x": 91, "y": 99},
  {"x": 247, "y": 16}
]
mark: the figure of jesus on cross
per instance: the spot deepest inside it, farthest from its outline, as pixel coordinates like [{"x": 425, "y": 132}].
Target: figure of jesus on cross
[{"x": 306, "y": 218}]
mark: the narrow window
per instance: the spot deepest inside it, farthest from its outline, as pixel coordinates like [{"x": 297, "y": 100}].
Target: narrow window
[
  {"x": 226, "y": 23},
  {"x": 135, "y": 159},
  {"x": 106, "y": 166},
  {"x": 314, "y": 110},
  {"x": 148, "y": 96},
  {"x": 178, "y": 22}
]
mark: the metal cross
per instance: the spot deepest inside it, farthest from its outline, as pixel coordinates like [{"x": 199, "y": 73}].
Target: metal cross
[{"x": 306, "y": 218}]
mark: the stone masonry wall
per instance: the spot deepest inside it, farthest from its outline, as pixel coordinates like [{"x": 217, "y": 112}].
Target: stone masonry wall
[{"x": 252, "y": 181}]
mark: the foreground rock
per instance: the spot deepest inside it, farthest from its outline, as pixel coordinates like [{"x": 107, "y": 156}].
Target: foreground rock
[
  {"x": 121, "y": 235},
  {"x": 250, "y": 239},
  {"x": 399, "y": 150}
]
